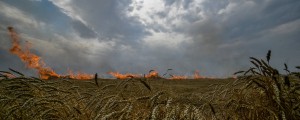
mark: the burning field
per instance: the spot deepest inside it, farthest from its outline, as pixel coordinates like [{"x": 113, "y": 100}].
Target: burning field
[
  {"x": 32, "y": 61},
  {"x": 260, "y": 92}
]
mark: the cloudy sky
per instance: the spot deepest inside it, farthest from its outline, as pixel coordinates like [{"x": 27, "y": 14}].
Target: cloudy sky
[{"x": 216, "y": 37}]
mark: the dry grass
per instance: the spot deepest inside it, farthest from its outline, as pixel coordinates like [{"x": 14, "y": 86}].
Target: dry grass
[{"x": 258, "y": 93}]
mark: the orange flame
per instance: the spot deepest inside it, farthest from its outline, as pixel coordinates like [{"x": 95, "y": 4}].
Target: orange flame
[
  {"x": 124, "y": 76},
  {"x": 178, "y": 77},
  {"x": 197, "y": 75},
  {"x": 80, "y": 76},
  {"x": 33, "y": 61},
  {"x": 152, "y": 74}
]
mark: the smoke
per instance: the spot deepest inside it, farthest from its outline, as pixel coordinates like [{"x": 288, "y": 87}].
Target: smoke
[
  {"x": 33, "y": 61},
  {"x": 135, "y": 36}
]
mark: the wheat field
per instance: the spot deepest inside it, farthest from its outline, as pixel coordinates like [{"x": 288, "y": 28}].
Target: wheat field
[{"x": 260, "y": 92}]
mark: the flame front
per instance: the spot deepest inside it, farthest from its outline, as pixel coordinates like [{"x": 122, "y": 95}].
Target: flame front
[
  {"x": 33, "y": 61},
  {"x": 153, "y": 74},
  {"x": 79, "y": 75},
  {"x": 124, "y": 76},
  {"x": 178, "y": 77},
  {"x": 197, "y": 75}
]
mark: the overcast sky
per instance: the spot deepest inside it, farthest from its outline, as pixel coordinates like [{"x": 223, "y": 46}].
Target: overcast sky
[{"x": 216, "y": 37}]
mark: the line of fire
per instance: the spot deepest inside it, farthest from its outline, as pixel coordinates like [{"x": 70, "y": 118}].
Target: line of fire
[{"x": 33, "y": 61}]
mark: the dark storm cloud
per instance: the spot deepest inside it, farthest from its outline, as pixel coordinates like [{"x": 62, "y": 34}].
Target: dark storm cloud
[
  {"x": 54, "y": 31},
  {"x": 108, "y": 19},
  {"x": 264, "y": 16},
  {"x": 216, "y": 37},
  {"x": 83, "y": 30},
  {"x": 206, "y": 32}
]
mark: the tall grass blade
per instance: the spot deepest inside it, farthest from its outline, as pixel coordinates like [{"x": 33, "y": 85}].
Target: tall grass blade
[
  {"x": 268, "y": 56},
  {"x": 239, "y": 72},
  {"x": 256, "y": 60},
  {"x": 286, "y": 68},
  {"x": 96, "y": 79},
  {"x": 151, "y": 71},
  {"x": 256, "y": 65},
  {"x": 5, "y": 72},
  {"x": 145, "y": 84},
  {"x": 16, "y": 72}
]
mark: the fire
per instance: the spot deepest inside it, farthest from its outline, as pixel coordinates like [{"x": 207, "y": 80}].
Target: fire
[
  {"x": 178, "y": 77},
  {"x": 31, "y": 60},
  {"x": 35, "y": 62},
  {"x": 124, "y": 76},
  {"x": 152, "y": 74},
  {"x": 197, "y": 75},
  {"x": 79, "y": 75}
]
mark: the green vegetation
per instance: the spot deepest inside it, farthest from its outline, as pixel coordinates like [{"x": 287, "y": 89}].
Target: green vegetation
[{"x": 259, "y": 93}]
